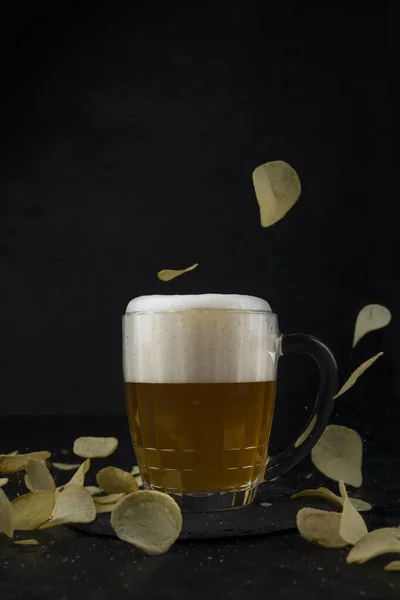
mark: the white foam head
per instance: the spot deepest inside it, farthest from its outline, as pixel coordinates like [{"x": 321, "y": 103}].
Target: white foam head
[{"x": 199, "y": 339}]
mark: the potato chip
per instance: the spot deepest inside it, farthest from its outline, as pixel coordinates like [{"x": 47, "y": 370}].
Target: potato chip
[
  {"x": 3, "y": 481},
  {"x": 18, "y": 462},
  {"x": 30, "y": 542},
  {"x": 113, "y": 481},
  {"x": 73, "y": 504},
  {"x": 139, "y": 480},
  {"x": 306, "y": 432},
  {"x": 393, "y": 566},
  {"x": 361, "y": 505},
  {"x": 352, "y": 526},
  {"x": 320, "y": 527},
  {"x": 108, "y": 499},
  {"x": 149, "y": 520},
  {"x": 321, "y": 493},
  {"x": 31, "y": 510},
  {"x": 38, "y": 476},
  {"x": 105, "y": 508},
  {"x": 380, "y": 541},
  {"x": 93, "y": 489},
  {"x": 6, "y": 515},
  {"x": 13, "y": 453},
  {"x": 66, "y": 466},
  {"x": 338, "y": 454},
  {"x": 79, "y": 477},
  {"x": 277, "y": 187},
  {"x": 135, "y": 470},
  {"x": 370, "y": 318},
  {"x": 356, "y": 374},
  {"x": 95, "y": 447},
  {"x": 169, "y": 274}
]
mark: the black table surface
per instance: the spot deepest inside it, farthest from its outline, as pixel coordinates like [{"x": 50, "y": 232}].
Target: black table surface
[{"x": 71, "y": 564}]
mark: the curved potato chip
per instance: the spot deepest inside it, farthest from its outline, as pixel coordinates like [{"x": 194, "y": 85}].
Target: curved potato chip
[
  {"x": 18, "y": 462},
  {"x": 352, "y": 526},
  {"x": 95, "y": 447},
  {"x": 277, "y": 187},
  {"x": 79, "y": 477},
  {"x": 306, "y": 432},
  {"x": 356, "y": 374},
  {"x": 361, "y": 505},
  {"x": 113, "y": 481},
  {"x": 321, "y": 493},
  {"x": 93, "y": 489},
  {"x": 31, "y": 510},
  {"x": 338, "y": 454},
  {"x": 30, "y": 542},
  {"x": 108, "y": 499},
  {"x": 28, "y": 483},
  {"x": 169, "y": 274},
  {"x": 380, "y": 541},
  {"x": 320, "y": 527},
  {"x": 393, "y": 566},
  {"x": 3, "y": 481},
  {"x": 370, "y": 318},
  {"x": 73, "y": 504},
  {"x": 149, "y": 520},
  {"x": 66, "y": 466},
  {"x": 6, "y": 515},
  {"x": 38, "y": 476}
]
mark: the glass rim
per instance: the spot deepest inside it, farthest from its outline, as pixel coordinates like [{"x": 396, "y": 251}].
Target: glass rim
[{"x": 192, "y": 310}]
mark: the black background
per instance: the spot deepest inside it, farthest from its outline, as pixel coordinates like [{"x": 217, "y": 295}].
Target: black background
[{"x": 128, "y": 142}]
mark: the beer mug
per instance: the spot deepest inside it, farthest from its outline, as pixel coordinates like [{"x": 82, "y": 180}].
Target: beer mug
[{"x": 200, "y": 378}]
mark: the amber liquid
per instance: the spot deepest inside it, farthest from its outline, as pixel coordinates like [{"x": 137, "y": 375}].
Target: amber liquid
[{"x": 201, "y": 437}]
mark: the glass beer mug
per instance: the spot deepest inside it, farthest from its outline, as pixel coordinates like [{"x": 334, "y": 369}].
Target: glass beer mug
[{"x": 200, "y": 376}]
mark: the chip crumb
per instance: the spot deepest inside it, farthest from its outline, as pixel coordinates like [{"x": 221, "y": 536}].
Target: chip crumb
[
  {"x": 30, "y": 542},
  {"x": 95, "y": 447}
]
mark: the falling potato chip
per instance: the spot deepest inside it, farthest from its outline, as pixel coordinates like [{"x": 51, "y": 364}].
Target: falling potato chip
[
  {"x": 149, "y": 520},
  {"x": 356, "y": 374},
  {"x": 93, "y": 489},
  {"x": 277, "y": 188},
  {"x": 113, "y": 481},
  {"x": 3, "y": 481},
  {"x": 361, "y": 505},
  {"x": 18, "y": 462},
  {"x": 338, "y": 454},
  {"x": 95, "y": 447},
  {"x": 320, "y": 527},
  {"x": 169, "y": 274},
  {"x": 31, "y": 510},
  {"x": 135, "y": 470},
  {"x": 73, "y": 504},
  {"x": 380, "y": 541},
  {"x": 79, "y": 477},
  {"x": 393, "y": 566},
  {"x": 306, "y": 432},
  {"x": 6, "y": 515},
  {"x": 66, "y": 466},
  {"x": 30, "y": 542},
  {"x": 38, "y": 476},
  {"x": 370, "y": 318},
  {"x": 352, "y": 526}
]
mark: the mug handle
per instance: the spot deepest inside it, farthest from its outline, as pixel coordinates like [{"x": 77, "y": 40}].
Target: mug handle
[{"x": 302, "y": 446}]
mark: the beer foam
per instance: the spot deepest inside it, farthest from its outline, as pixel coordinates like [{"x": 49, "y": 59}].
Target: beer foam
[
  {"x": 197, "y": 301},
  {"x": 200, "y": 339}
]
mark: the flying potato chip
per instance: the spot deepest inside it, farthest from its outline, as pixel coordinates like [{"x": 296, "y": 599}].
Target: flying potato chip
[
  {"x": 19, "y": 462},
  {"x": 6, "y": 516},
  {"x": 169, "y": 274},
  {"x": 380, "y": 541},
  {"x": 320, "y": 527},
  {"x": 356, "y": 374},
  {"x": 306, "y": 432},
  {"x": 93, "y": 489},
  {"x": 79, "y": 477},
  {"x": 3, "y": 481},
  {"x": 66, "y": 466},
  {"x": 393, "y": 566},
  {"x": 95, "y": 447},
  {"x": 338, "y": 454},
  {"x": 30, "y": 542},
  {"x": 277, "y": 187},
  {"x": 73, "y": 504},
  {"x": 370, "y": 318},
  {"x": 38, "y": 476},
  {"x": 31, "y": 510},
  {"x": 113, "y": 481},
  {"x": 352, "y": 526},
  {"x": 149, "y": 520}
]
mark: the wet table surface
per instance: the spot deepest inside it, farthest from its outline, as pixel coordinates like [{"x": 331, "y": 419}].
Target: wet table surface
[{"x": 70, "y": 564}]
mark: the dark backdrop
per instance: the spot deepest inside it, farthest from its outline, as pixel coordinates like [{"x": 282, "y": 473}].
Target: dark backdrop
[{"x": 128, "y": 142}]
